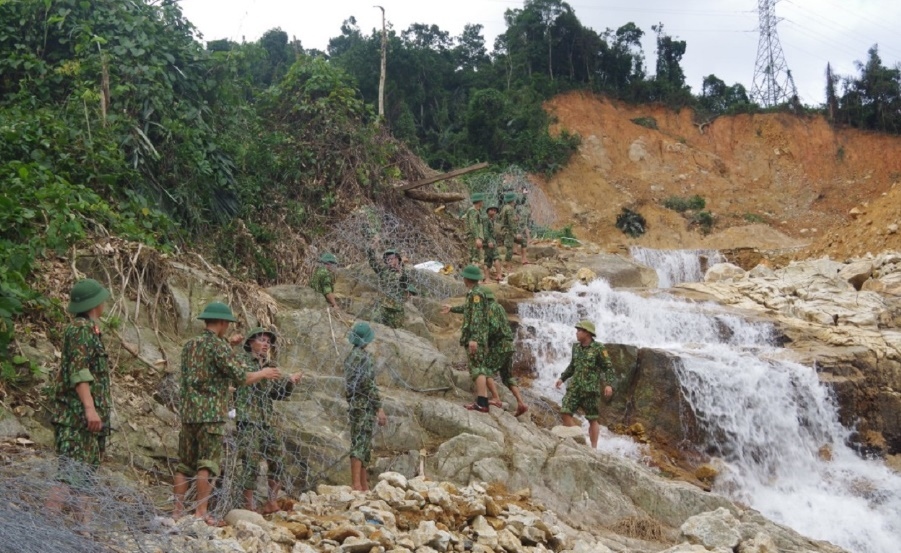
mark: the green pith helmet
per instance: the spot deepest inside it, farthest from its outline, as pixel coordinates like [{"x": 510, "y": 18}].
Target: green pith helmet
[
  {"x": 477, "y": 197},
  {"x": 490, "y": 207},
  {"x": 587, "y": 326},
  {"x": 254, "y": 332},
  {"x": 390, "y": 252},
  {"x": 217, "y": 311},
  {"x": 86, "y": 295},
  {"x": 361, "y": 334},
  {"x": 471, "y": 272},
  {"x": 509, "y": 197},
  {"x": 328, "y": 258}
]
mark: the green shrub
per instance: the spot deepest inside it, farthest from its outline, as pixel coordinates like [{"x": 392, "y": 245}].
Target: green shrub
[
  {"x": 753, "y": 218},
  {"x": 683, "y": 204},
  {"x": 631, "y": 223},
  {"x": 704, "y": 220},
  {"x": 646, "y": 122}
]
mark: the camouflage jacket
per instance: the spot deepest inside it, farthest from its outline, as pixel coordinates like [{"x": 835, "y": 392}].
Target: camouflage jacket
[
  {"x": 323, "y": 281},
  {"x": 475, "y": 317},
  {"x": 359, "y": 381},
  {"x": 254, "y": 403},
  {"x": 500, "y": 335},
  {"x": 208, "y": 368},
  {"x": 473, "y": 225},
  {"x": 509, "y": 219},
  {"x": 491, "y": 229},
  {"x": 524, "y": 213},
  {"x": 84, "y": 359},
  {"x": 391, "y": 283},
  {"x": 589, "y": 367}
]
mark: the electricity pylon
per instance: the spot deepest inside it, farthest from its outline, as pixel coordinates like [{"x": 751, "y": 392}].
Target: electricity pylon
[{"x": 773, "y": 82}]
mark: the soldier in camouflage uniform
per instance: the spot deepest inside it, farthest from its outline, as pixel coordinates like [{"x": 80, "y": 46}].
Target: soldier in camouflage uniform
[
  {"x": 208, "y": 368},
  {"x": 474, "y": 228},
  {"x": 254, "y": 411},
  {"x": 474, "y": 334},
  {"x": 524, "y": 212},
  {"x": 81, "y": 398},
  {"x": 323, "y": 280},
  {"x": 500, "y": 353},
  {"x": 363, "y": 402},
  {"x": 393, "y": 283},
  {"x": 589, "y": 367},
  {"x": 510, "y": 227},
  {"x": 492, "y": 233}
]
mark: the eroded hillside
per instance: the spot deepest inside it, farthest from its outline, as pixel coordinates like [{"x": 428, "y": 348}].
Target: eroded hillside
[{"x": 772, "y": 181}]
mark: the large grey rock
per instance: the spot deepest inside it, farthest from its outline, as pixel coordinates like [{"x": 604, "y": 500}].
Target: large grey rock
[
  {"x": 237, "y": 515},
  {"x": 760, "y": 543},
  {"x": 427, "y": 534},
  {"x": 528, "y": 277},
  {"x": 713, "y": 530},
  {"x": 723, "y": 271},
  {"x": 618, "y": 271},
  {"x": 447, "y": 420},
  {"x": 10, "y": 427},
  {"x": 856, "y": 272},
  {"x": 297, "y": 297},
  {"x": 455, "y": 458}
]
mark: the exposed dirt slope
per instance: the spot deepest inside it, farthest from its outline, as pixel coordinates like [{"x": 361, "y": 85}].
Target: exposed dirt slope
[{"x": 794, "y": 178}]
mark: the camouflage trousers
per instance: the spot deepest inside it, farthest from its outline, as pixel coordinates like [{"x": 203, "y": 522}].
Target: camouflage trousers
[
  {"x": 258, "y": 442},
  {"x": 200, "y": 447},
  {"x": 586, "y": 400},
  {"x": 80, "y": 452},
  {"x": 491, "y": 254},
  {"x": 475, "y": 254},
  {"x": 391, "y": 317},
  {"x": 501, "y": 363},
  {"x": 362, "y": 427},
  {"x": 509, "y": 241},
  {"x": 479, "y": 363}
]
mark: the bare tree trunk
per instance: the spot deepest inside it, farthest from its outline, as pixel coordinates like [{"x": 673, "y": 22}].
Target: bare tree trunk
[{"x": 384, "y": 66}]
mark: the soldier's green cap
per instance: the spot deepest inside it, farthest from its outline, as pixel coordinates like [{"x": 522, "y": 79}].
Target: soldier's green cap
[
  {"x": 390, "y": 252},
  {"x": 254, "y": 332},
  {"x": 471, "y": 272},
  {"x": 587, "y": 326},
  {"x": 328, "y": 258},
  {"x": 361, "y": 334},
  {"x": 509, "y": 197},
  {"x": 217, "y": 311},
  {"x": 86, "y": 294},
  {"x": 477, "y": 197},
  {"x": 490, "y": 207}
]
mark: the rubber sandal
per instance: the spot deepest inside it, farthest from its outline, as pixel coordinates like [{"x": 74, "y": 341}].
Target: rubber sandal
[
  {"x": 520, "y": 410},
  {"x": 476, "y": 407}
]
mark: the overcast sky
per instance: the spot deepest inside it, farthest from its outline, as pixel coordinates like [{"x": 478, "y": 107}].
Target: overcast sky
[{"x": 721, "y": 34}]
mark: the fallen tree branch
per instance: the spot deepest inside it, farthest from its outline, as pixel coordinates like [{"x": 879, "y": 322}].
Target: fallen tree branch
[
  {"x": 444, "y": 176},
  {"x": 435, "y": 197}
]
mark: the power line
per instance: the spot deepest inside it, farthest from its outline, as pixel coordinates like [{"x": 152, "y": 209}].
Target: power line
[{"x": 773, "y": 83}]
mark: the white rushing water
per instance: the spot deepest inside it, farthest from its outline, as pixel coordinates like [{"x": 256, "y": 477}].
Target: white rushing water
[
  {"x": 768, "y": 420},
  {"x": 675, "y": 266}
]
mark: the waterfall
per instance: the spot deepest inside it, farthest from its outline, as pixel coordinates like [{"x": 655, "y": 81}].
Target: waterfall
[
  {"x": 772, "y": 423},
  {"x": 675, "y": 266}
]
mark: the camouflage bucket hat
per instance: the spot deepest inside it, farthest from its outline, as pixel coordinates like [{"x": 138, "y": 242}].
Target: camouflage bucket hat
[
  {"x": 509, "y": 197},
  {"x": 477, "y": 197},
  {"x": 254, "y": 332},
  {"x": 217, "y": 311},
  {"x": 361, "y": 334},
  {"x": 86, "y": 295},
  {"x": 471, "y": 272},
  {"x": 587, "y": 326},
  {"x": 328, "y": 258}
]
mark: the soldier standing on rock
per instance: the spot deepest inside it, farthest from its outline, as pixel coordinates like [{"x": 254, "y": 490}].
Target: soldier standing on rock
[
  {"x": 474, "y": 335},
  {"x": 393, "y": 283},
  {"x": 81, "y": 394},
  {"x": 474, "y": 228},
  {"x": 323, "y": 280},
  {"x": 500, "y": 353},
  {"x": 363, "y": 401},
  {"x": 589, "y": 367},
  {"x": 208, "y": 368},
  {"x": 254, "y": 411},
  {"x": 509, "y": 224},
  {"x": 491, "y": 232}
]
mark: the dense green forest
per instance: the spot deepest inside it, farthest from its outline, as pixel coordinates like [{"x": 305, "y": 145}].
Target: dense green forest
[{"x": 115, "y": 119}]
